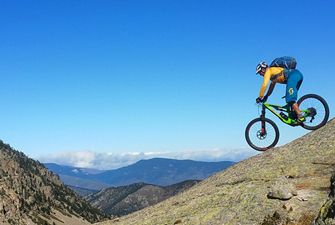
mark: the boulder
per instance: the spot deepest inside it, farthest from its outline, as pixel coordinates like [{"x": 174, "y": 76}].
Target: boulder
[{"x": 282, "y": 189}]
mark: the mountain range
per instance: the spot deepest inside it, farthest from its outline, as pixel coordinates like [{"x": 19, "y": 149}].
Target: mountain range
[
  {"x": 79, "y": 178},
  {"x": 156, "y": 171}
]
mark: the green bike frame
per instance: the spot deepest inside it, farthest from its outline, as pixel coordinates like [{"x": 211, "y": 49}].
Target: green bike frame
[{"x": 276, "y": 109}]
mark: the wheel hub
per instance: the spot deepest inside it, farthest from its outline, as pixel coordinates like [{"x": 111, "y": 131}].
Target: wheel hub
[{"x": 261, "y": 135}]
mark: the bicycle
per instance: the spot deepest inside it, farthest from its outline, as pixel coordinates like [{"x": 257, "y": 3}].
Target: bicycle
[{"x": 259, "y": 131}]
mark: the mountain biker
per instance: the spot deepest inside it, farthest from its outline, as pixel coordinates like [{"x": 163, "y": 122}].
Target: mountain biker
[{"x": 291, "y": 77}]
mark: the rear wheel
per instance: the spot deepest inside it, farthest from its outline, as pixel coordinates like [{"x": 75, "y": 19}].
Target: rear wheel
[
  {"x": 259, "y": 139},
  {"x": 315, "y": 109}
]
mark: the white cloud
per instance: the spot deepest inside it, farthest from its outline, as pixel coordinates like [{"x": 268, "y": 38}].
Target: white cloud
[
  {"x": 78, "y": 158},
  {"x": 90, "y": 159}
]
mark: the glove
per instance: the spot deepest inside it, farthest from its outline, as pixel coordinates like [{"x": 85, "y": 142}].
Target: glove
[{"x": 258, "y": 100}]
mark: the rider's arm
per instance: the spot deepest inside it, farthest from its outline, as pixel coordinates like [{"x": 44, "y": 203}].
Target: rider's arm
[
  {"x": 272, "y": 86},
  {"x": 266, "y": 80}
]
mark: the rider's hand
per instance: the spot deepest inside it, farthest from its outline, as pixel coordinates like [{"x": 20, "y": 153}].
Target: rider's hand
[{"x": 258, "y": 100}]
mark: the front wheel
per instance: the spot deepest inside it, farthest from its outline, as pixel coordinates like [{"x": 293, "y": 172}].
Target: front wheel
[
  {"x": 262, "y": 137},
  {"x": 315, "y": 110}
]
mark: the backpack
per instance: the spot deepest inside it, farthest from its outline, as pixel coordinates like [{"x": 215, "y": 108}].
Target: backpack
[{"x": 286, "y": 62}]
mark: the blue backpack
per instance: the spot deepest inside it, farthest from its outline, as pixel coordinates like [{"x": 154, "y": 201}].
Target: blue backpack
[{"x": 286, "y": 62}]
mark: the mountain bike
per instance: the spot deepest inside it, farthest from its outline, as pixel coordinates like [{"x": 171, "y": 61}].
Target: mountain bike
[{"x": 262, "y": 133}]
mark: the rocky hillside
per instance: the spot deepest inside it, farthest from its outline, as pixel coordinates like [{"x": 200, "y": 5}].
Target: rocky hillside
[
  {"x": 123, "y": 200},
  {"x": 327, "y": 212},
  {"x": 285, "y": 185},
  {"x": 30, "y": 194}
]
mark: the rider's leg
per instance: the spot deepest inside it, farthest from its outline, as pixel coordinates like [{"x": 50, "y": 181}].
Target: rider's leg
[
  {"x": 294, "y": 81},
  {"x": 296, "y": 109}
]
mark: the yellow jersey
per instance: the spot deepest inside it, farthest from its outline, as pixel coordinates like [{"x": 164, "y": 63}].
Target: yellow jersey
[{"x": 276, "y": 75}]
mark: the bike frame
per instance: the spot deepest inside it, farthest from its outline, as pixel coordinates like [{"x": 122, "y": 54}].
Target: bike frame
[{"x": 276, "y": 109}]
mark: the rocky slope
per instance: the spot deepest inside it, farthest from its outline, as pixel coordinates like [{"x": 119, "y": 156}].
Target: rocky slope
[
  {"x": 285, "y": 185},
  {"x": 327, "y": 212},
  {"x": 123, "y": 200},
  {"x": 30, "y": 194}
]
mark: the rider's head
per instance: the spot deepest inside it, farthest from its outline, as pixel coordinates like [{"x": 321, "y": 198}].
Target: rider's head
[{"x": 261, "y": 68}]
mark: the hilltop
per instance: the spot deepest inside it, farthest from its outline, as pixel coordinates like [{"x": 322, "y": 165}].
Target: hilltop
[{"x": 284, "y": 185}]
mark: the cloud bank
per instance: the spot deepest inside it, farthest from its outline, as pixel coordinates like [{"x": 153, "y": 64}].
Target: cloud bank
[{"x": 104, "y": 161}]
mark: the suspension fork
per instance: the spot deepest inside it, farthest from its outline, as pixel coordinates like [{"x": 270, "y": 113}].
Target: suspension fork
[{"x": 263, "y": 131}]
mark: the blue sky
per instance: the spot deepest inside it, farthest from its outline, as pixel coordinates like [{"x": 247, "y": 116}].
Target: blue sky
[{"x": 151, "y": 76}]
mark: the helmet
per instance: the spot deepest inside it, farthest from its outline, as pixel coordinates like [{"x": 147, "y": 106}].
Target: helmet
[{"x": 260, "y": 66}]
